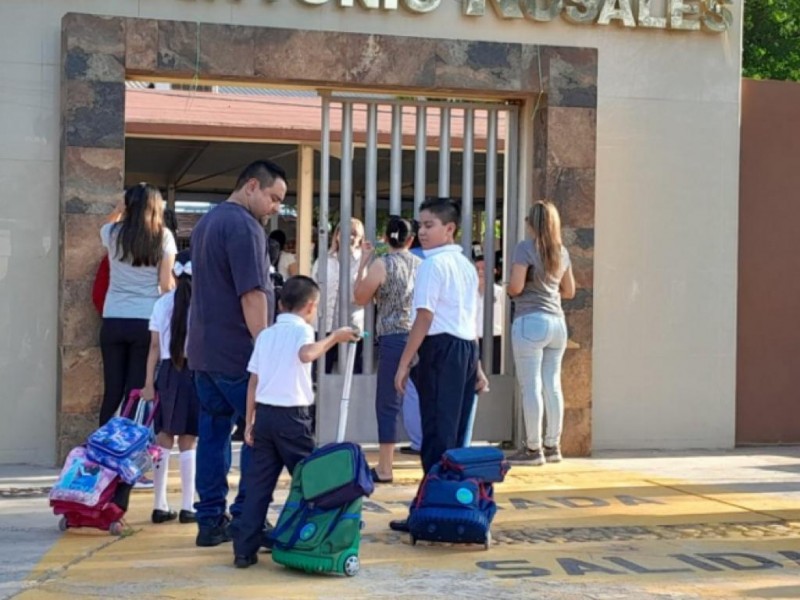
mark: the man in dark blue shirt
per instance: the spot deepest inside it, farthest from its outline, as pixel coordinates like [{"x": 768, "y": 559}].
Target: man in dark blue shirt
[{"x": 232, "y": 301}]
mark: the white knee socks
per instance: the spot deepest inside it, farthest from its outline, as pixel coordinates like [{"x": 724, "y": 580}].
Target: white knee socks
[
  {"x": 187, "y": 479},
  {"x": 161, "y": 474}
]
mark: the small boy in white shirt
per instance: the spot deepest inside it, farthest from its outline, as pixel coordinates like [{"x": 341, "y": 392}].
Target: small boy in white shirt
[
  {"x": 444, "y": 335},
  {"x": 279, "y": 424}
]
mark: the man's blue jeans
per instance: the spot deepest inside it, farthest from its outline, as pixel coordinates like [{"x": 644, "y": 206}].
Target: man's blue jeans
[{"x": 222, "y": 400}]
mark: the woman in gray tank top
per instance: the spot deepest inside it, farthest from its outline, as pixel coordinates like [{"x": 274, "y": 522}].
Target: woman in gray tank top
[
  {"x": 389, "y": 281},
  {"x": 541, "y": 275}
]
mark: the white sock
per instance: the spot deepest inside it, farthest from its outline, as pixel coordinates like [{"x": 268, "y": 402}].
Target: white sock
[
  {"x": 187, "y": 479},
  {"x": 160, "y": 476}
]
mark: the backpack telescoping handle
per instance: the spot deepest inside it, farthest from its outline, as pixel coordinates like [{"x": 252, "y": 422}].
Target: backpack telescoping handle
[
  {"x": 133, "y": 397},
  {"x": 471, "y": 423},
  {"x": 344, "y": 406}
]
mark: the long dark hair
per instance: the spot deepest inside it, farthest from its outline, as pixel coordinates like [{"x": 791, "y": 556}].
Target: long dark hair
[
  {"x": 180, "y": 313},
  {"x": 140, "y": 234}
]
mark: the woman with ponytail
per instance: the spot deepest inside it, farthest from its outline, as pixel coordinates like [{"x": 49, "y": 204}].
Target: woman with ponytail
[
  {"x": 141, "y": 252},
  {"x": 389, "y": 280},
  {"x": 541, "y": 275},
  {"x": 177, "y": 414}
]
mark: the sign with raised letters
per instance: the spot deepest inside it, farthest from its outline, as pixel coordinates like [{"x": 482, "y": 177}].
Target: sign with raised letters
[{"x": 681, "y": 15}]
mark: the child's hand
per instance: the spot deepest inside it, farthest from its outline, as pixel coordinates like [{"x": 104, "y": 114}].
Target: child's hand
[
  {"x": 346, "y": 334},
  {"x": 401, "y": 378},
  {"x": 481, "y": 382},
  {"x": 248, "y": 435},
  {"x": 148, "y": 393}
]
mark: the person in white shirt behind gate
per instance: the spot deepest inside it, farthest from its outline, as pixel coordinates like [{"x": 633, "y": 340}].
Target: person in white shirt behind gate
[{"x": 541, "y": 275}]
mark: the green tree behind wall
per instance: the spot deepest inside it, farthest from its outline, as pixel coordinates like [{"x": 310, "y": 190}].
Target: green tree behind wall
[{"x": 772, "y": 39}]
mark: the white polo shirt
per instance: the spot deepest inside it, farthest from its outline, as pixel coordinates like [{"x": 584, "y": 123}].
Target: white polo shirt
[
  {"x": 282, "y": 379},
  {"x": 447, "y": 285}
]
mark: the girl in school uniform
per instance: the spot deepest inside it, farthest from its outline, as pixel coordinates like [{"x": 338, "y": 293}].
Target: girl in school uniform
[{"x": 178, "y": 410}]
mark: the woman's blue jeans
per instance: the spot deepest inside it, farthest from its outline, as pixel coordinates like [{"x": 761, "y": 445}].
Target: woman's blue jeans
[{"x": 539, "y": 341}]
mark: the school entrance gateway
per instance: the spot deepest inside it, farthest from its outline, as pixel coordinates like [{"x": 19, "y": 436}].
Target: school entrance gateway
[{"x": 520, "y": 119}]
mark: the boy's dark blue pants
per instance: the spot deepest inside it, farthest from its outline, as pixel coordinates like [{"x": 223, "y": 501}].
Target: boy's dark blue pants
[
  {"x": 445, "y": 380},
  {"x": 283, "y": 436}
]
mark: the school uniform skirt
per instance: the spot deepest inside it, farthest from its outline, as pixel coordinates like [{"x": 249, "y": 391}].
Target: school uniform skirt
[{"x": 178, "y": 410}]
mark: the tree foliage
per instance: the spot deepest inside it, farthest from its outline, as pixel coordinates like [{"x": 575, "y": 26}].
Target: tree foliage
[{"x": 772, "y": 39}]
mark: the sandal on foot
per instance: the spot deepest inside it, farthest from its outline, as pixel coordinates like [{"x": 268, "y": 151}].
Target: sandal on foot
[{"x": 377, "y": 478}]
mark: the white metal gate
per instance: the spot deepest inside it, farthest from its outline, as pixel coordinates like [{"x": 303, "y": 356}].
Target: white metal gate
[{"x": 483, "y": 127}]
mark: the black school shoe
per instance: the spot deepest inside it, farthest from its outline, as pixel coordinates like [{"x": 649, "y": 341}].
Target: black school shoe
[
  {"x": 399, "y": 525},
  {"x": 187, "y": 516},
  {"x": 242, "y": 562},
  {"x": 214, "y": 536},
  {"x": 409, "y": 450},
  {"x": 162, "y": 516}
]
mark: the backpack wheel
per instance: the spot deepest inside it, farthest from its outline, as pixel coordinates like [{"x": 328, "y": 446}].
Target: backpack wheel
[
  {"x": 351, "y": 565},
  {"x": 115, "y": 528},
  {"x": 63, "y": 525}
]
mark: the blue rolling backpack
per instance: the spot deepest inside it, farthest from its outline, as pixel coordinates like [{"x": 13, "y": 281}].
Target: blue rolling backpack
[{"x": 455, "y": 502}]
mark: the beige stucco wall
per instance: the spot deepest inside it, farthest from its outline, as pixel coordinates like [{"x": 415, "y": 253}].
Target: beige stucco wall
[{"x": 666, "y": 209}]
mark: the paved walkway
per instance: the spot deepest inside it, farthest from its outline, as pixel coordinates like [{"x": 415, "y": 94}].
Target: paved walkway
[{"x": 618, "y": 526}]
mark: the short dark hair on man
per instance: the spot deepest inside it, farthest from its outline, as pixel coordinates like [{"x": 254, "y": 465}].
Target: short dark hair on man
[
  {"x": 297, "y": 291},
  {"x": 445, "y": 209},
  {"x": 265, "y": 171}
]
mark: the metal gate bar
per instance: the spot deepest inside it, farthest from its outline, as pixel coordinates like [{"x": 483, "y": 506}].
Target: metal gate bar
[
  {"x": 370, "y": 221},
  {"x": 444, "y": 152},
  {"x": 322, "y": 225},
  {"x": 420, "y": 159},
  {"x": 490, "y": 205},
  {"x": 467, "y": 179},
  {"x": 396, "y": 162},
  {"x": 345, "y": 214}
]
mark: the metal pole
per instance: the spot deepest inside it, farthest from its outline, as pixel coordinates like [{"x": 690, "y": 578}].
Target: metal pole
[
  {"x": 396, "y": 162},
  {"x": 467, "y": 178},
  {"x": 488, "y": 240},
  {"x": 345, "y": 214},
  {"x": 420, "y": 159},
  {"x": 322, "y": 228},
  {"x": 444, "y": 152},
  {"x": 370, "y": 220},
  {"x": 511, "y": 216}
]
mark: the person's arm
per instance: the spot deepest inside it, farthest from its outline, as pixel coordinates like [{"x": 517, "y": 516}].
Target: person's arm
[
  {"x": 312, "y": 351},
  {"x": 368, "y": 281},
  {"x": 420, "y": 328},
  {"x": 516, "y": 283},
  {"x": 166, "y": 282},
  {"x": 292, "y": 269},
  {"x": 153, "y": 354},
  {"x": 567, "y": 285},
  {"x": 254, "y": 307},
  {"x": 250, "y": 413}
]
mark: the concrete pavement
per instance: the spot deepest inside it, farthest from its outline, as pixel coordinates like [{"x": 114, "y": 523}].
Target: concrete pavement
[{"x": 617, "y": 526}]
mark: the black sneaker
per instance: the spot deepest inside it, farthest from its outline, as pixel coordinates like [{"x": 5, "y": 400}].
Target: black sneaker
[
  {"x": 399, "y": 525},
  {"x": 552, "y": 454},
  {"x": 526, "y": 456},
  {"x": 242, "y": 562},
  {"x": 162, "y": 516},
  {"x": 213, "y": 536}
]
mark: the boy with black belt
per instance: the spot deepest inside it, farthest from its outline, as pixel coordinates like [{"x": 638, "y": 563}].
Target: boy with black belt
[
  {"x": 279, "y": 425},
  {"x": 444, "y": 336}
]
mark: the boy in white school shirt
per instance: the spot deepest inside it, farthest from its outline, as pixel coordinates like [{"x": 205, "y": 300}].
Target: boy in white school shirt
[
  {"x": 279, "y": 424},
  {"x": 444, "y": 336}
]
